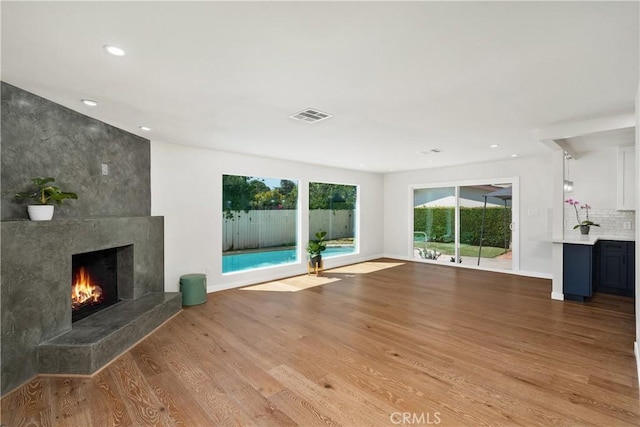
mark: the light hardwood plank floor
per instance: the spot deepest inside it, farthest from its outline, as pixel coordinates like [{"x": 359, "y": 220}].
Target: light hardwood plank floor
[{"x": 410, "y": 344}]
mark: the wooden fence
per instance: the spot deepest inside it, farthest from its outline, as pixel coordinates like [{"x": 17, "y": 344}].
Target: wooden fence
[{"x": 272, "y": 228}]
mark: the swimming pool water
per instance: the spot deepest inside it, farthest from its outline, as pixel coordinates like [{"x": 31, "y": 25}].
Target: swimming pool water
[{"x": 249, "y": 261}]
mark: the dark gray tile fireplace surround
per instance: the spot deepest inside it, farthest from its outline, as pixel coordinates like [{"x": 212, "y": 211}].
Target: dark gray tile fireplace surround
[
  {"x": 37, "y": 334},
  {"x": 42, "y": 138}
]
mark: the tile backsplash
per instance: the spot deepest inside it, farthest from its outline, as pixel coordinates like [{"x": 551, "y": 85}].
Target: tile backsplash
[{"x": 611, "y": 221}]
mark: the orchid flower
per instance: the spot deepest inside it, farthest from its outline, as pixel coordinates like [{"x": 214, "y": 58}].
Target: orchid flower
[{"x": 586, "y": 207}]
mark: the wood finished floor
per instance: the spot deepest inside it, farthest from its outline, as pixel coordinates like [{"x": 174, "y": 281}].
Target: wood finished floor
[{"x": 457, "y": 346}]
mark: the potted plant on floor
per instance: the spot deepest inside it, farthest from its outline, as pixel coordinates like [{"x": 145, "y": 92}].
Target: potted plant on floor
[
  {"x": 44, "y": 194},
  {"x": 315, "y": 248}
]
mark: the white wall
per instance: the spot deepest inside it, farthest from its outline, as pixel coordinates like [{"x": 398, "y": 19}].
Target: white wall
[
  {"x": 535, "y": 197},
  {"x": 186, "y": 188},
  {"x": 594, "y": 175}
]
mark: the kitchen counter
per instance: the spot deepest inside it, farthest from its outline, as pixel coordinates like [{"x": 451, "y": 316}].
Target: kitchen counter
[
  {"x": 589, "y": 239},
  {"x": 592, "y": 239}
]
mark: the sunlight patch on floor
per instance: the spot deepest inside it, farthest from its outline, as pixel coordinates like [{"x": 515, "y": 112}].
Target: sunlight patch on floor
[
  {"x": 364, "y": 267},
  {"x": 292, "y": 284},
  {"x": 300, "y": 283}
]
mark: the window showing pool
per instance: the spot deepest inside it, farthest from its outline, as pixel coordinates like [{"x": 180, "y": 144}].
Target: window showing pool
[
  {"x": 258, "y": 212},
  {"x": 248, "y": 261}
]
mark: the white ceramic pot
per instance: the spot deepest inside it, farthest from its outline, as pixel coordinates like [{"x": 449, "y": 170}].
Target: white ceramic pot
[{"x": 40, "y": 212}]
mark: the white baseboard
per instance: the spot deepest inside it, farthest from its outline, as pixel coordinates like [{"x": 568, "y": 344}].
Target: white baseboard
[
  {"x": 401, "y": 258},
  {"x": 636, "y": 351},
  {"x": 557, "y": 296},
  {"x": 524, "y": 273},
  {"x": 535, "y": 274}
]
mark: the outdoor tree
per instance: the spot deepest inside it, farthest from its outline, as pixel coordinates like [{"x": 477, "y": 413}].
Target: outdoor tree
[
  {"x": 289, "y": 191},
  {"x": 288, "y": 187},
  {"x": 270, "y": 199},
  {"x": 332, "y": 196},
  {"x": 244, "y": 193},
  {"x": 237, "y": 193},
  {"x": 258, "y": 186}
]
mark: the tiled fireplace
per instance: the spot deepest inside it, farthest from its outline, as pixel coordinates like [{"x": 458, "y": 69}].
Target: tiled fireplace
[
  {"x": 40, "y": 263},
  {"x": 44, "y": 329}
]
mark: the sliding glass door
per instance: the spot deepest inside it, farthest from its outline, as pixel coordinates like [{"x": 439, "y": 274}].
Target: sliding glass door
[
  {"x": 465, "y": 223},
  {"x": 434, "y": 223},
  {"x": 485, "y": 225}
]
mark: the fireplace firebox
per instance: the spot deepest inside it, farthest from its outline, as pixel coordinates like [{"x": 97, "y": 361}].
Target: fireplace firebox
[{"x": 94, "y": 282}]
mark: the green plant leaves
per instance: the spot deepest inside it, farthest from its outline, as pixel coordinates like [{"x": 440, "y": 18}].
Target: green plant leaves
[
  {"x": 42, "y": 181},
  {"x": 315, "y": 247},
  {"x": 45, "y": 194}
]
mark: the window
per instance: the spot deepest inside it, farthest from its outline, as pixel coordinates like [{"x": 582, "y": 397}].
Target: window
[
  {"x": 332, "y": 208},
  {"x": 259, "y": 222}
]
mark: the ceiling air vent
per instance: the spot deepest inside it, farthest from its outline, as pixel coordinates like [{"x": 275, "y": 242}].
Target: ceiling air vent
[
  {"x": 311, "y": 115},
  {"x": 432, "y": 151}
]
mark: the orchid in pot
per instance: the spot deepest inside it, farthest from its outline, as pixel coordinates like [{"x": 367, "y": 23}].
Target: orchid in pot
[{"x": 583, "y": 225}]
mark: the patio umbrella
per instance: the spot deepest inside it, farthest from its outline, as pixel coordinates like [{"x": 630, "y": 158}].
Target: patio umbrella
[{"x": 504, "y": 194}]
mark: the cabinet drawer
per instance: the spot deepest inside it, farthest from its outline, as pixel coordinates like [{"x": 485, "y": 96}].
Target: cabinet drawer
[{"x": 611, "y": 246}]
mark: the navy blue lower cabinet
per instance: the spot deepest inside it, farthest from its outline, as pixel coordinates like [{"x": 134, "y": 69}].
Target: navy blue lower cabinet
[
  {"x": 631, "y": 269},
  {"x": 578, "y": 269},
  {"x": 617, "y": 268}
]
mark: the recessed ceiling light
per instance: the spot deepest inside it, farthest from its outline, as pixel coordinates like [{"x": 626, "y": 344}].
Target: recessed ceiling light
[
  {"x": 114, "y": 50},
  {"x": 514, "y": 155},
  {"x": 494, "y": 145},
  {"x": 90, "y": 102},
  {"x": 145, "y": 128}
]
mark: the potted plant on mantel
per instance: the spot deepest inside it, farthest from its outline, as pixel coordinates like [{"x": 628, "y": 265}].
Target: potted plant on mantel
[
  {"x": 315, "y": 248},
  {"x": 44, "y": 194}
]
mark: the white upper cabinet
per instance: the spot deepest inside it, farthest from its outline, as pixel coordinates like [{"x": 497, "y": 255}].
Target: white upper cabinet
[{"x": 626, "y": 198}]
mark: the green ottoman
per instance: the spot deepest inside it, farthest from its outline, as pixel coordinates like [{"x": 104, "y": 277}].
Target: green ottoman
[{"x": 193, "y": 288}]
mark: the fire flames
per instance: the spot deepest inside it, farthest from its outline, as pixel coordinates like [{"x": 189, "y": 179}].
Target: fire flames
[{"x": 83, "y": 292}]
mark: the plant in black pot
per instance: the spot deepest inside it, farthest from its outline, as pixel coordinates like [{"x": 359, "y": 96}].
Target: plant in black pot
[
  {"x": 315, "y": 248},
  {"x": 44, "y": 193}
]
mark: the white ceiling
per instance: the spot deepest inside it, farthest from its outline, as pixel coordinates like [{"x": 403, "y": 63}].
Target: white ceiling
[{"x": 399, "y": 77}]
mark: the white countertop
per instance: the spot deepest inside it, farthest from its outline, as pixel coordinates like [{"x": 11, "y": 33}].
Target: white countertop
[{"x": 593, "y": 238}]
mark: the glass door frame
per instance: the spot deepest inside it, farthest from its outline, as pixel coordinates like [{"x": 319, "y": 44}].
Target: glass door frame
[{"x": 515, "y": 219}]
